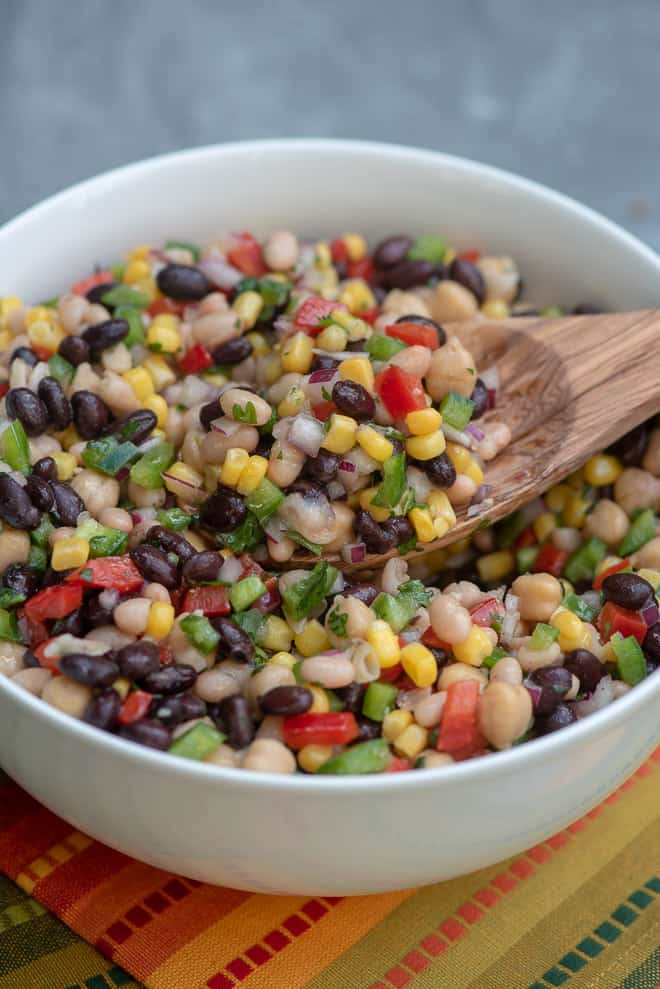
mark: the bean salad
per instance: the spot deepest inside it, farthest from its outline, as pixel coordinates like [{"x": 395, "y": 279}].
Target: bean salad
[{"x": 176, "y": 426}]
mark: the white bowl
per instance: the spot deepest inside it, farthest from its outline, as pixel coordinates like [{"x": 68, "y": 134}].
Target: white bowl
[{"x": 324, "y": 835}]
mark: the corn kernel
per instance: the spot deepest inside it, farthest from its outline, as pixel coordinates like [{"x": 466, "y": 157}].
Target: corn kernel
[
  {"x": 557, "y": 497},
  {"x": 149, "y": 288},
  {"x": 327, "y": 283},
  {"x": 340, "y": 437},
  {"x": 356, "y": 328},
  {"x": 5, "y": 338},
  {"x": 8, "y": 303},
  {"x": 38, "y": 314},
  {"x": 357, "y": 295},
  {"x": 571, "y": 630},
  {"x": 396, "y": 722},
  {"x": 494, "y": 566},
  {"x": 420, "y": 664},
  {"x": 139, "y": 253},
  {"x": 236, "y": 460},
  {"x": 374, "y": 443},
  {"x": 183, "y": 472},
  {"x": 423, "y": 524},
  {"x": 157, "y": 405},
  {"x": 161, "y": 373},
  {"x": 475, "y": 648},
  {"x": 252, "y": 475},
  {"x": 122, "y": 686},
  {"x": 441, "y": 527},
  {"x": 332, "y": 338},
  {"x": 260, "y": 347},
  {"x": 459, "y": 456},
  {"x": 163, "y": 339},
  {"x": 140, "y": 381},
  {"x": 474, "y": 472},
  {"x": 322, "y": 255},
  {"x": 576, "y": 480},
  {"x": 357, "y": 369},
  {"x": 275, "y": 635},
  {"x": 312, "y": 639},
  {"x": 601, "y": 470},
  {"x": 460, "y": 546},
  {"x": 65, "y": 464},
  {"x": 320, "y": 702},
  {"x": 495, "y": 309},
  {"x": 212, "y": 476},
  {"x": 160, "y": 619},
  {"x": 440, "y": 506},
  {"x": 411, "y": 741},
  {"x": 311, "y": 757},
  {"x": 606, "y": 563},
  {"x": 136, "y": 271},
  {"x": 45, "y": 334},
  {"x": 283, "y": 658},
  {"x": 576, "y": 510},
  {"x": 449, "y": 256},
  {"x": 384, "y": 643},
  {"x": 297, "y": 353},
  {"x": 423, "y": 421},
  {"x": 653, "y": 576},
  {"x": 426, "y": 447},
  {"x": 543, "y": 525},
  {"x": 377, "y": 513},
  {"x": 356, "y": 246},
  {"x": 248, "y": 306},
  {"x": 272, "y": 369},
  {"x": 73, "y": 552},
  {"x": 292, "y": 402}
]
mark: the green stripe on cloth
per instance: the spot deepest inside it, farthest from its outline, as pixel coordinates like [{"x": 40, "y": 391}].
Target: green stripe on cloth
[{"x": 646, "y": 975}]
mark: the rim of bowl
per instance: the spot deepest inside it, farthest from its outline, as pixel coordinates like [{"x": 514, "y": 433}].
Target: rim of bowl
[{"x": 471, "y": 769}]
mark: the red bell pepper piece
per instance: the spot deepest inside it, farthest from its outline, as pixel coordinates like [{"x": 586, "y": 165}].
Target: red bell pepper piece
[
  {"x": 526, "y": 538},
  {"x": 391, "y": 673},
  {"x": 323, "y": 410},
  {"x": 471, "y": 256},
  {"x": 196, "y": 359},
  {"x": 398, "y": 765},
  {"x": 166, "y": 655},
  {"x": 331, "y": 728},
  {"x": 400, "y": 392},
  {"x": 47, "y": 662},
  {"x": 613, "y": 618},
  {"x": 270, "y": 600},
  {"x": 364, "y": 268},
  {"x": 484, "y": 611},
  {"x": 212, "y": 600},
  {"x": 370, "y": 315},
  {"x": 598, "y": 582},
  {"x": 43, "y": 353},
  {"x": 250, "y": 566},
  {"x": 4, "y": 388},
  {"x": 309, "y": 314},
  {"x": 339, "y": 251},
  {"x": 57, "y": 601},
  {"x": 550, "y": 560},
  {"x": 246, "y": 256},
  {"x": 32, "y": 632},
  {"x": 459, "y": 729},
  {"x": 135, "y": 706},
  {"x": 166, "y": 305},
  {"x": 118, "y": 572},
  {"x": 431, "y": 640},
  {"x": 85, "y": 284},
  {"x": 413, "y": 334}
]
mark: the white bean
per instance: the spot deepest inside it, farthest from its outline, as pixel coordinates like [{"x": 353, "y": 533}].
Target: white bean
[
  {"x": 11, "y": 658},
  {"x": 116, "y": 518},
  {"x": 239, "y": 397},
  {"x": 131, "y": 616},
  {"x": 67, "y": 695},
  {"x": 224, "y": 680},
  {"x": 96, "y": 490},
  {"x": 14, "y": 547},
  {"x": 428, "y": 711},
  {"x": 505, "y": 711},
  {"x": 327, "y": 670},
  {"x": 33, "y": 679},
  {"x": 450, "y": 621},
  {"x": 267, "y": 755},
  {"x": 281, "y": 250}
]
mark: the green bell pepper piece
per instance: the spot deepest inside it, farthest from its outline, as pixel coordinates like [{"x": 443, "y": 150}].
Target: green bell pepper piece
[
  {"x": 379, "y": 699},
  {"x": 135, "y": 326},
  {"x": 174, "y": 518},
  {"x": 9, "y": 626},
  {"x": 14, "y": 448},
  {"x": 40, "y": 535},
  {"x": 10, "y": 598},
  {"x": 581, "y": 564},
  {"x": 543, "y": 636},
  {"x": 641, "y": 531},
  {"x": 497, "y": 653},
  {"x": 429, "y": 247},
  {"x": 264, "y": 500},
  {"x": 38, "y": 557},
  {"x": 125, "y": 295},
  {"x": 148, "y": 471},
  {"x": 61, "y": 369},
  {"x": 580, "y": 607},
  {"x": 382, "y": 348},
  {"x": 200, "y": 632},
  {"x": 393, "y": 484},
  {"x": 246, "y": 592},
  {"x": 630, "y": 660},
  {"x": 525, "y": 558},
  {"x": 198, "y": 742},
  {"x": 368, "y": 757},
  {"x": 183, "y": 245},
  {"x": 109, "y": 456},
  {"x": 109, "y": 542},
  {"x": 456, "y": 410}
]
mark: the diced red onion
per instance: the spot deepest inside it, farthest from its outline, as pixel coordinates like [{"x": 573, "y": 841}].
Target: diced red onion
[
  {"x": 474, "y": 509},
  {"x": 347, "y": 466},
  {"x": 283, "y": 325},
  {"x": 456, "y": 436},
  {"x": 109, "y": 598},
  {"x": 338, "y": 585},
  {"x": 408, "y": 700},
  {"x": 474, "y": 430},
  {"x": 143, "y": 515},
  {"x": 275, "y": 529},
  {"x": 220, "y": 273},
  {"x": 172, "y": 393},
  {"x": 306, "y": 433},
  {"x": 651, "y": 614},
  {"x": 184, "y": 489},
  {"x": 335, "y": 490},
  {"x": 491, "y": 377},
  {"x": 492, "y": 398},
  {"x": 323, "y": 374},
  {"x": 338, "y": 355},
  {"x": 354, "y": 552},
  {"x": 319, "y": 384},
  {"x": 194, "y": 391},
  {"x": 231, "y": 570},
  {"x": 534, "y": 692},
  {"x": 481, "y": 493},
  {"x": 601, "y": 697}
]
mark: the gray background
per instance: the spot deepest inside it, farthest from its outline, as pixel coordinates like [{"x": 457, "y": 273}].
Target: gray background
[{"x": 563, "y": 91}]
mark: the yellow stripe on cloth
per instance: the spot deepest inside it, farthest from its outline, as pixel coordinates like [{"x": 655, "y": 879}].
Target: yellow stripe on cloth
[{"x": 56, "y": 856}]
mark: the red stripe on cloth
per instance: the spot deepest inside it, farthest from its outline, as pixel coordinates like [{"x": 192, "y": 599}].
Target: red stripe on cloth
[
  {"x": 433, "y": 944},
  {"x": 558, "y": 840},
  {"x": 452, "y": 929},
  {"x": 276, "y": 940},
  {"x": 398, "y": 977},
  {"x": 505, "y": 883},
  {"x": 416, "y": 961},
  {"x": 522, "y": 868},
  {"x": 220, "y": 981},
  {"x": 539, "y": 853},
  {"x": 239, "y": 969},
  {"x": 258, "y": 954},
  {"x": 470, "y": 912},
  {"x": 29, "y": 838},
  {"x": 487, "y": 896},
  {"x": 80, "y": 876}
]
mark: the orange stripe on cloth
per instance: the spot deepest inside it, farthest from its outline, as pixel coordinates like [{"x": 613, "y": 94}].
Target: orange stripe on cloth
[{"x": 79, "y": 875}]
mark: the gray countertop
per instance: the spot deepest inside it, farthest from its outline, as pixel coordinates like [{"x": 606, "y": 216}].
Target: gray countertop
[{"x": 562, "y": 92}]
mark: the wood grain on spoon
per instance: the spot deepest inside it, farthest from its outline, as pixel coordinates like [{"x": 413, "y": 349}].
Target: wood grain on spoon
[{"x": 568, "y": 388}]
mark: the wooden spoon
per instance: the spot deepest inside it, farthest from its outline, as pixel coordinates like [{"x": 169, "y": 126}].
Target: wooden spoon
[{"x": 568, "y": 388}]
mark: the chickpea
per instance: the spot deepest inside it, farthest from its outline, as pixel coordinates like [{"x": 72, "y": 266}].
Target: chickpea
[
  {"x": 271, "y": 727},
  {"x": 497, "y": 437},
  {"x": 183, "y": 648},
  {"x": 215, "y": 328},
  {"x": 501, "y": 277},
  {"x": 648, "y": 556},
  {"x": 281, "y": 388},
  {"x": 452, "y": 369},
  {"x": 270, "y": 676},
  {"x": 225, "y": 756},
  {"x": 534, "y": 659},
  {"x": 505, "y": 711},
  {"x": 116, "y": 518},
  {"x": 267, "y": 755},
  {"x": 96, "y": 490},
  {"x": 33, "y": 679},
  {"x": 190, "y": 451},
  {"x": 414, "y": 360},
  {"x": 146, "y": 497},
  {"x": 284, "y": 464},
  {"x": 11, "y": 658},
  {"x": 450, "y": 621},
  {"x": 226, "y": 679},
  {"x": 109, "y": 635},
  {"x": 635, "y": 488},
  {"x": 243, "y": 399},
  {"x": 71, "y": 309},
  {"x": 539, "y": 595},
  {"x": 428, "y": 711},
  {"x": 85, "y": 379},
  {"x": 455, "y": 672},
  {"x": 651, "y": 461},
  {"x": 435, "y": 760},
  {"x": 95, "y": 313},
  {"x": 214, "y": 445},
  {"x": 281, "y": 250},
  {"x": 67, "y": 695},
  {"x": 462, "y": 491},
  {"x": 607, "y": 521},
  {"x": 359, "y": 618},
  {"x": 117, "y": 358},
  {"x": 14, "y": 547},
  {"x": 43, "y": 446},
  {"x": 156, "y": 592},
  {"x": 328, "y": 671},
  {"x": 213, "y": 302},
  {"x": 174, "y": 426},
  {"x": 450, "y": 302},
  {"x": 465, "y": 592},
  {"x": 563, "y": 537},
  {"x": 117, "y": 394},
  {"x": 399, "y": 303},
  {"x": 507, "y": 670},
  {"x": 282, "y": 550},
  {"x": 343, "y": 526},
  {"x": 131, "y": 616},
  {"x": 63, "y": 532}
]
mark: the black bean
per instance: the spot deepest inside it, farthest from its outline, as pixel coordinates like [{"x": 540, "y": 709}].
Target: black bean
[
  {"x": 561, "y": 717},
  {"x": 90, "y": 414},
  {"x": 363, "y": 592},
  {"x": 630, "y": 449},
  {"x": 356, "y": 345},
  {"x": 407, "y": 274},
  {"x": 321, "y": 362},
  {"x": 96, "y": 293},
  {"x": 104, "y": 335},
  {"x": 424, "y": 321},
  {"x": 234, "y": 642},
  {"x": 171, "y": 679},
  {"x": 137, "y": 659},
  {"x": 209, "y": 412},
  {"x": 233, "y": 351},
  {"x": 555, "y": 682},
  {"x": 628, "y": 590},
  {"x": 323, "y": 467},
  {"x": 75, "y": 350},
  {"x": 174, "y": 542},
  {"x": 155, "y": 566},
  {"x": 586, "y": 667},
  {"x": 15, "y": 506},
  {"x": 265, "y": 445},
  {"x": 439, "y": 469},
  {"x": 30, "y": 661},
  {"x": 480, "y": 398},
  {"x": 223, "y": 511},
  {"x": 442, "y": 657},
  {"x": 392, "y": 251},
  {"x": 399, "y": 528},
  {"x": 587, "y": 309},
  {"x": 57, "y": 404},
  {"x": 286, "y": 701},
  {"x": 99, "y": 612},
  {"x": 103, "y": 710},
  {"x": 23, "y": 404},
  {"x": 46, "y": 468},
  {"x": 178, "y": 708},
  {"x": 353, "y": 400},
  {"x": 24, "y": 354},
  {"x": 201, "y": 568},
  {"x": 236, "y": 715},
  {"x": 68, "y": 505},
  {"x": 22, "y": 579},
  {"x": 74, "y": 623},
  {"x": 352, "y": 697},
  {"x": 51, "y": 577},
  {"x": 372, "y": 535},
  {"x": 147, "y": 732},
  {"x": 95, "y": 671},
  {"x": 469, "y": 276},
  {"x": 136, "y": 426},
  {"x": 183, "y": 282},
  {"x": 368, "y": 729},
  {"x": 39, "y": 493},
  {"x": 308, "y": 489},
  {"x": 651, "y": 643}
]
